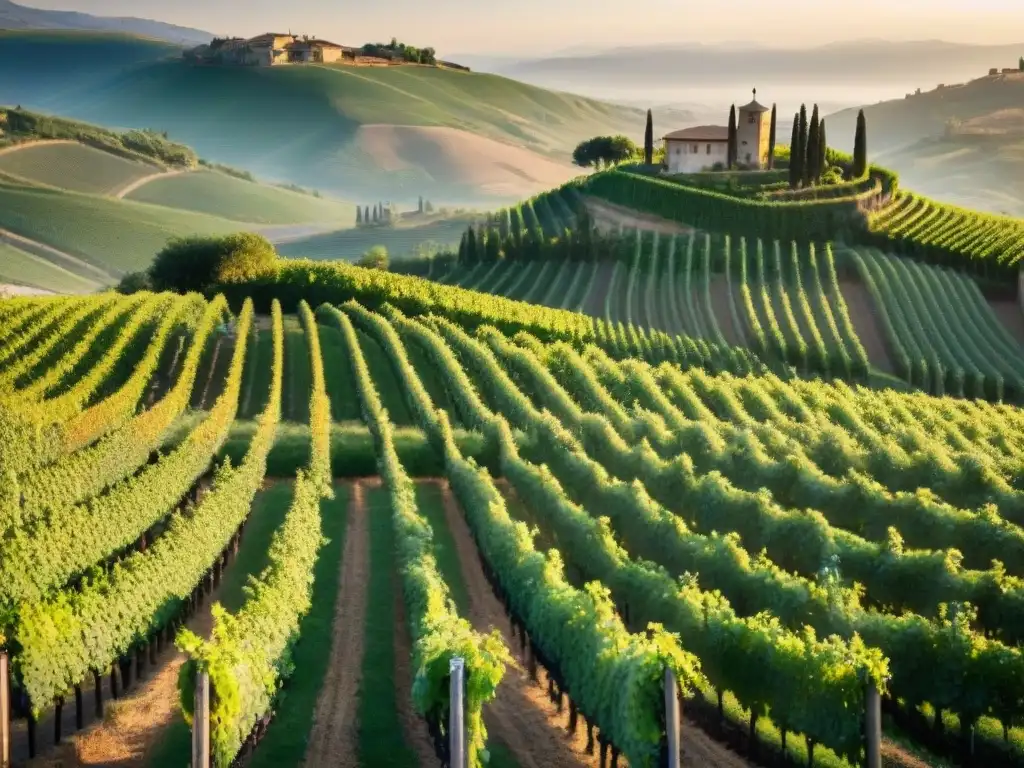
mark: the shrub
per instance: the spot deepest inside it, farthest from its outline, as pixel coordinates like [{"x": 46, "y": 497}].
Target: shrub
[
  {"x": 833, "y": 175},
  {"x": 194, "y": 263},
  {"x": 134, "y": 282},
  {"x": 375, "y": 258}
]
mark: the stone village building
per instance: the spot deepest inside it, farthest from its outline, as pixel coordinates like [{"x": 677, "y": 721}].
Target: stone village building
[
  {"x": 701, "y": 148},
  {"x": 268, "y": 50}
]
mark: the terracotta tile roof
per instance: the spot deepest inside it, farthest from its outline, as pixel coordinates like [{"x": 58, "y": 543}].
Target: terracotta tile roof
[{"x": 699, "y": 133}]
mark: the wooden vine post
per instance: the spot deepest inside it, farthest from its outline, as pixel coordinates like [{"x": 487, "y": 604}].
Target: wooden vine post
[
  {"x": 873, "y": 726},
  {"x": 5, "y": 711},
  {"x": 201, "y": 722},
  {"x": 456, "y": 724},
  {"x": 672, "y": 718}
]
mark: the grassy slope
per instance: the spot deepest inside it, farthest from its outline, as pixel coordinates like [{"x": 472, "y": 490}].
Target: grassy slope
[
  {"x": 74, "y": 167},
  {"x": 909, "y": 135},
  {"x": 117, "y": 235},
  {"x": 66, "y": 65},
  {"x": 350, "y": 244},
  {"x": 980, "y": 172},
  {"x": 19, "y": 267},
  {"x": 219, "y": 194}
]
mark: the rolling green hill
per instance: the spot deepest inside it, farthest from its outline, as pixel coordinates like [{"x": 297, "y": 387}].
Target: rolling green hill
[
  {"x": 963, "y": 144},
  {"x": 74, "y": 167},
  {"x": 22, "y": 268},
  {"x": 117, "y": 236},
  {"x": 218, "y": 194},
  {"x": 358, "y": 132}
]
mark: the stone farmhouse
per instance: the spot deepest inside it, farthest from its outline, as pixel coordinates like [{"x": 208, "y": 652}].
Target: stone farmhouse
[
  {"x": 269, "y": 50},
  {"x": 704, "y": 147}
]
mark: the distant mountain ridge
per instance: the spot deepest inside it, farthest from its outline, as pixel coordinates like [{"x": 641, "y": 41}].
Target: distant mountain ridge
[
  {"x": 14, "y": 16},
  {"x": 877, "y": 61}
]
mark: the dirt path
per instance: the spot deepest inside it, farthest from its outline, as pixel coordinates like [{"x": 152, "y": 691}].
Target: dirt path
[
  {"x": 128, "y": 189},
  {"x": 593, "y": 303},
  {"x": 721, "y": 300},
  {"x": 8, "y": 290},
  {"x": 39, "y": 142},
  {"x": 866, "y": 322},
  {"x": 334, "y": 737},
  {"x": 609, "y": 217},
  {"x": 521, "y": 716},
  {"x": 1011, "y": 316}
]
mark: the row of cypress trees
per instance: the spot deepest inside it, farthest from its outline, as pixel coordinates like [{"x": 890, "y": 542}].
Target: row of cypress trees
[
  {"x": 380, "y": 212},
  {"x": 808, "y": 147}
]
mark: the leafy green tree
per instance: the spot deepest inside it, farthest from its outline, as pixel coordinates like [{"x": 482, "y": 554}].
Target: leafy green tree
[
  {"x": 860, "y": 147},
  {"x": 196, "y": 263},
  {"x": 811, "y": 172},
  {"x": 649, "y": 139},
  {"x": 794, "y": 153},
  {"x": 733, "y": 147},
  {"x": 375, "y": 258},
  {"x": 604, "y": 150},
  {"x": 771, "y": 141}
]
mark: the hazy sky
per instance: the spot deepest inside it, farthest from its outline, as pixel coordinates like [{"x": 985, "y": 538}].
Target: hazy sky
[{"x": 543, "y": 26}]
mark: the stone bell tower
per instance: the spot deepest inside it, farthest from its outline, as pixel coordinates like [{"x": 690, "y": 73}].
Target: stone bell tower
[{"x": 753, "y": 125}]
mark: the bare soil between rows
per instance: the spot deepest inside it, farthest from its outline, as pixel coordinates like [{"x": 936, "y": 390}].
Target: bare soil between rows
[
  {"x": 521, "y": 715},
  {"x": 334, "y": 736},
  {"x": 610, "y": 218}
]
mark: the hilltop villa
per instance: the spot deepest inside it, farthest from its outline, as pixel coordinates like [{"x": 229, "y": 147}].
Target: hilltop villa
[
  {"x": 699, "y": 149},
  {"x": 268, "y": 50}
]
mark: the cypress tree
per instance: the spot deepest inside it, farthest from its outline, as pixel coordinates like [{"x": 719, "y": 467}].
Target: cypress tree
[
  {"x": 811, "y": 172},
  {"x": 733, "y": 147},
  {"x": 649, "y": 140},
  {"x": 359, "y": 215},
  {"x": 421, "y": 204},
  {"x": 472, "y": 256},
  {"x": 1020, "y": 64},
  {"x": 463, "y": 247},
  {"x": 802, "y": 153},
  {"x": 493, "y": 249},
  {"x": 794, "y": 153},
  {"x": 771, "y": 142},
  {"x": 860, "y": 147},
  {"x": 822, "y": 149}
]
